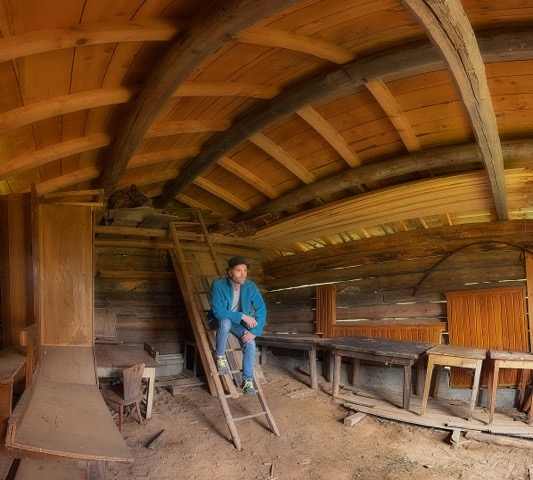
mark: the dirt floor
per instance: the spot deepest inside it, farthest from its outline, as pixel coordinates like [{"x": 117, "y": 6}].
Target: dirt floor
[{"x": 314, "y": 442}]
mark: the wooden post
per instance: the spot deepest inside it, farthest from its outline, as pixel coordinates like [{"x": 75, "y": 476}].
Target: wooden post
[{"x": 529, "y": 286}]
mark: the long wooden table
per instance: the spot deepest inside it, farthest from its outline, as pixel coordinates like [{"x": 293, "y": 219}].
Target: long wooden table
[
  {"x": 382, "y": 350},
  {"x": 112, "y": 359},
  {"x": 308, "y": 343}
]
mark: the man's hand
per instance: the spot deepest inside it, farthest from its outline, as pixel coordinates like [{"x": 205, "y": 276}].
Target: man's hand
[
  {"x": 247, "y": 336},
  {"x": 250, "y": 321}
]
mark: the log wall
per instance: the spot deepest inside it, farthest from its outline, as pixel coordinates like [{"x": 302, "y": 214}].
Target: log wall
[
  {"x": 396, "y": 279},
  {"x": 140, "y": 285}
]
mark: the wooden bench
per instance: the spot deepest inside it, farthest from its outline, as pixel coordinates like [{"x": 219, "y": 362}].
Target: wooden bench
[
  {"x": 308, "y": 343},
  {"x": 63, "y": 415}
]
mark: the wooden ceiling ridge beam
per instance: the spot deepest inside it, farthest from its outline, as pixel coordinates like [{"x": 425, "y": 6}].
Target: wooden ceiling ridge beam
[
  {"x": 214, "y": 26},
  {"x": 411, "y": 60},
  {"x": 79, "y": 35},
  {"x": 448, "y": 27}
]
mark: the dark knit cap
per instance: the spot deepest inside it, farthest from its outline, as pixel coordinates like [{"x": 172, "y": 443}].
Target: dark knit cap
[{"x": 233, "y": 262}]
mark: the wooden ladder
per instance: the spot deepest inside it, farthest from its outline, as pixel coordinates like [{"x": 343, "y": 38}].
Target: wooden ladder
[{"x": 195, "y": 272}]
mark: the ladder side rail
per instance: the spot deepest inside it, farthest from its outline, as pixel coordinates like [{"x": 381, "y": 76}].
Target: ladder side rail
[
  {"x": 203, "y": 335},
  {"x": 199, "y": 336}
]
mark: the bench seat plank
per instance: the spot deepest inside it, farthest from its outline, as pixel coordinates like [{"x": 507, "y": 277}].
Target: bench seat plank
[
  {"x": 11, "y": 363},
  {"x": 68, "y": 420}
]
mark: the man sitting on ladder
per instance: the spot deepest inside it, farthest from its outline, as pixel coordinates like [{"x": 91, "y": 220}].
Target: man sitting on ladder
[{"x": 237, "y": 307}]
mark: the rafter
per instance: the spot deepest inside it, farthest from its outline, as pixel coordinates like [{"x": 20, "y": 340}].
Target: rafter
[
  {"x": 283, "y": 157},
  {"x": 334, "y": 138},
  {"x": 53, "y": 152},
  {"x": 222, "y": 193},
  {"x": 65, "y": 181},
  {"x": 34, "y": 112},
  {"x": 144, "y": 159},
  {"x": 226, "y": 89},
  {"x": 191, "y": 202},
  {"x": 390, "y": 106},
  {"x": 49, "y": 40},
  {"x": 249, "y": 177},
  {"x": 270, "y": 37},
  {"x": 446, "y": 24},
  {"x": 165, "y": 129}
]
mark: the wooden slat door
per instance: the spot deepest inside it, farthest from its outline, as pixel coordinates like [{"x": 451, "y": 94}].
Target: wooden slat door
[{"x": 491, "y": 319}]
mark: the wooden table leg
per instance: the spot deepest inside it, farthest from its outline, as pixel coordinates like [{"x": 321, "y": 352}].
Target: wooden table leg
[
  {"x": 312, "y": 368},
  {"x": 524, "y": 381},
  {"x": 475, "y": 388},
  {"x": 493, "y": 388},
  {"x": 150, "y": 397},
  {"x": 263, "y": 355},
  {"x": 407, "y": 379},
  {"x": 429, "y": 374},
  {"x": 356, "y": 370},
  {"x": 336, "y": 374},
  {"x": 419, "y": 376}
]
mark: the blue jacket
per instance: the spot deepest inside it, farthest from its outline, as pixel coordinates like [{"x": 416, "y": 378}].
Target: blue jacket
[{"x": 252, "y": 303}]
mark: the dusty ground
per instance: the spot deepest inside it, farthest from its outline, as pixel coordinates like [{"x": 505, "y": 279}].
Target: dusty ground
[{"x": 314, "y": 443}]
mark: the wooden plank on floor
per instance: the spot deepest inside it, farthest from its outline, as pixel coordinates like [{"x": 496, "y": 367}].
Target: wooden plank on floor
[{"x": 442, "y": 414}]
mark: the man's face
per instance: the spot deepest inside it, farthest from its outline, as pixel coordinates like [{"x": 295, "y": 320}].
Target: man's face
[{"x": 238, "y": 274}]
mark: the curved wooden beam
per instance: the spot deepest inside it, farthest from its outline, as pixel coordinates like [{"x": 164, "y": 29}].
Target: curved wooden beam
[
  {"x": 48, "y": 40},
  {"x": 449, "y": 29},
  {"x": 74, "y": 102},
  {"x": 409, "y": 61},
  {"x": 213, "y": 27}
]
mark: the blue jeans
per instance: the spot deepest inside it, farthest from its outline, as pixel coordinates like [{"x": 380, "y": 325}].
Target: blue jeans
[{"x": 224, "y": 327}]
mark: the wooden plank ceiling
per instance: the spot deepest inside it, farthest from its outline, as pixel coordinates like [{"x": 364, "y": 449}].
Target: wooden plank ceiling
[{"x": 316, "y": 122}]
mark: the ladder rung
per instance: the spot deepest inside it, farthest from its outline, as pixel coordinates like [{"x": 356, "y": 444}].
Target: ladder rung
[
  {"x": 249, "y": 416},
  {"x": 229, "y": 372}
]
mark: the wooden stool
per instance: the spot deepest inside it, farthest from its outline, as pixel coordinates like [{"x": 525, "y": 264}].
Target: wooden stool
[
  {"x": 506, "y": 359},
  {"x": 455, "y": 356}
]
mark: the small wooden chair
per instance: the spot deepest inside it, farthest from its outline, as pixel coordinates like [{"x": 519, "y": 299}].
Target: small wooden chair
[{"x": 127, "y": 393}]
